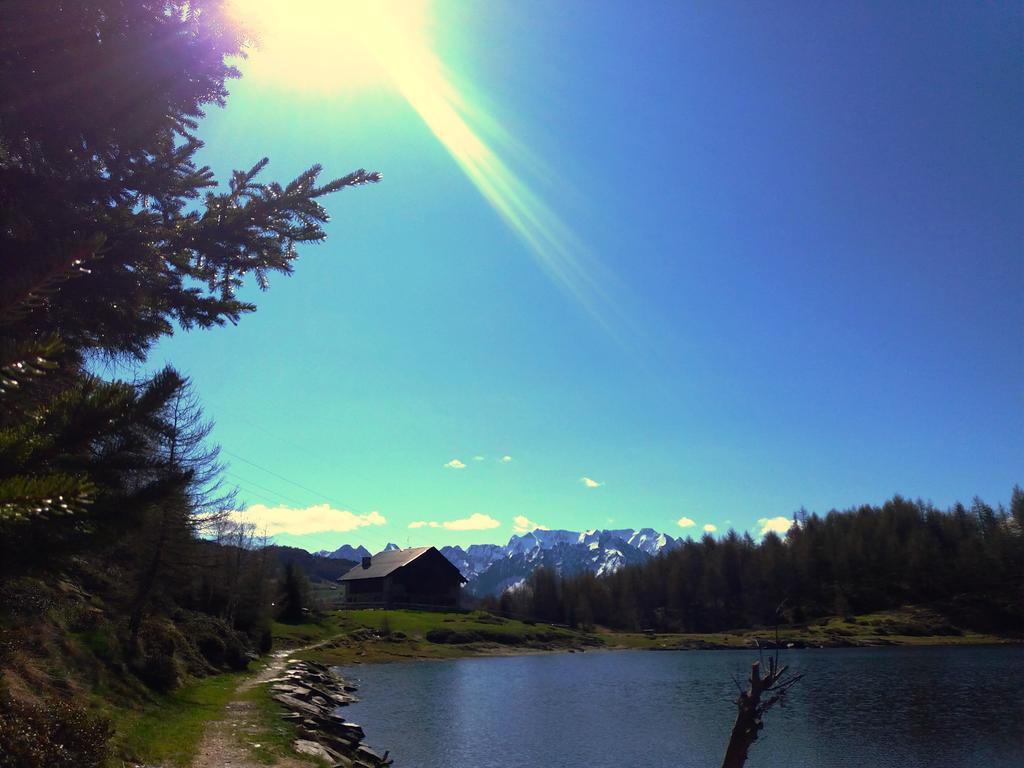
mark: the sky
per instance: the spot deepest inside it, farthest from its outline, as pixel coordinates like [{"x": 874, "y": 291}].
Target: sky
[{"x": 671, "y": 265}]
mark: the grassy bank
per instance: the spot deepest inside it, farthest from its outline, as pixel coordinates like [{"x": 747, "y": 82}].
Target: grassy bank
[
  {"x": 168, "y": 730},
  {"x": 909, "y": 626},
  {"x": 373, "y": 635}
]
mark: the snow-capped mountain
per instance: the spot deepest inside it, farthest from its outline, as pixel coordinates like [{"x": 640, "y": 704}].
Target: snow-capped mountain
[
  {"x": 348, "y": 552},
  {"x": 491, "y": 568},
  {"x": 474, "y": 559},
  {"x": 650, "y": 541},
  {"x": 540, "y": 539}
]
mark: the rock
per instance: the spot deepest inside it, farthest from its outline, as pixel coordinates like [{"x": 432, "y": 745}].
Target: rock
[
  {"x": 312, "y": 693},
  {"x": 311, "y": 748},
  {"x": 296, "y": 705},
  {"x": 364, "y": 751}
]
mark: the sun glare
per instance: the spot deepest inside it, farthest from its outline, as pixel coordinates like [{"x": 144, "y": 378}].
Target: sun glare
[
  {"x": 328, "y": 46},
  {"x": 334, "y": 46}
]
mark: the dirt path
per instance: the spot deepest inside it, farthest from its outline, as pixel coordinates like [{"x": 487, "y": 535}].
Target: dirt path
[{"x": 227, "y": 742}]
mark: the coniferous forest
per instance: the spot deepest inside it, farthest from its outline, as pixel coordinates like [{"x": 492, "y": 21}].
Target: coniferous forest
[{"x": 968, "y": 561}]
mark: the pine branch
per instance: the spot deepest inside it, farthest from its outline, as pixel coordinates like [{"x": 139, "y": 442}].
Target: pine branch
[{"x": 23, "y": 498}]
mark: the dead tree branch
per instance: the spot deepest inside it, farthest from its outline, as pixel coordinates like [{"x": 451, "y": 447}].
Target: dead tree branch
[{"x": 765, "y": 691}]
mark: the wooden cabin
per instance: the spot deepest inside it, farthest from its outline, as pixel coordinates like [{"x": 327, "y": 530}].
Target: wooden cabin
[{"x": 420, "y": 576}]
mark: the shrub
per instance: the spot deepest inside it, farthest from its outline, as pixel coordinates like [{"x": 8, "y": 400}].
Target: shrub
[
  {"x": 462, "y": 636},
  {"x": 154, "y": 662},
  {"x": 219, "y": 645},
  {"x": 447, "y": 636},
  {"x": 57, "y": 734},
  {"x": 264, "y": 640},
  {"x": 102, "y": 643},
  {"x": 158, "y": 670},
  {"x": 487, "y": 618}
]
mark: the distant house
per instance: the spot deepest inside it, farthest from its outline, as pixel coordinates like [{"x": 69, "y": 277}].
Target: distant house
[{"x": 417, "y": 576}]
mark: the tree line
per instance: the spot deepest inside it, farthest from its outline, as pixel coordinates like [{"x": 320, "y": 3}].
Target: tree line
[{"x": 968, "y": 560}]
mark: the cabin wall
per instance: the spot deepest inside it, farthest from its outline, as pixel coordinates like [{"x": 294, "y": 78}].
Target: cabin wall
[
  {"x": 364, "y": 591},
  {"x": 429, "y": 580}
]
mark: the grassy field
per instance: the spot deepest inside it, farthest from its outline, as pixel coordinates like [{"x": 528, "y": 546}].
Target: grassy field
[
  {"x": 370, "y": 635},
  {"x": 168, "y": 731},
  {"x": 374, "y": 635},
  {"x": 912, "y": 625}
]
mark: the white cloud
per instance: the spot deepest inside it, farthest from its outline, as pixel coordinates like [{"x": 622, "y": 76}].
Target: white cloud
[
  {"x": 590, "y": 483},
  {"x": 685, "y": 522},
  {"x": 710, "y": 528},
  {"x": 780, "y": 524},
  {"x": 478, "y": 458},
  {"x": 318, "y": 518},
  {"x": 505, "y": 459},
  {"x": 522, "y": 524},
  {"x": 455, "y": 464},
  {"x": 475, "y": 522}
]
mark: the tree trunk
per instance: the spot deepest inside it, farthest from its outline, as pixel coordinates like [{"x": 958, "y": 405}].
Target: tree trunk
[{"x": 762, "y": 693}]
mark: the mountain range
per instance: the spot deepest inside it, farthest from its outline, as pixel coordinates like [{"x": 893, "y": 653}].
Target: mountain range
[{"x": 490, "y": 569}]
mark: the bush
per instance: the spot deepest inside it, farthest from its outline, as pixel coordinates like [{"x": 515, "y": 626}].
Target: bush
[
  {"x": 57, "y": 734},
  {"x": 220, "y": 646},
  {"x": 154, "y": 662},
  {"x": 102, "y": 643},
  {"x": 462, "y": 636},
  {"x": 446, "y": 636},
  {"x": 158, "y": 670},
  {"x": 487, "y": 618},
  {"x": 265, "y": 640}
]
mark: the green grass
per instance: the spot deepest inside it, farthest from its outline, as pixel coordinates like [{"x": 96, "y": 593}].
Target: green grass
[
  {"x": 911, "y": 625},
  {"x": 273, "y": 736},
  {"x": 168, "y": 731},
  {"x": 296, "y": 635},
  {"x": 419, "y": 623},
  {"x": 373, "y": 635}
]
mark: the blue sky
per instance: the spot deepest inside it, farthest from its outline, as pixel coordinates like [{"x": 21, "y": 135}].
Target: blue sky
[{"x": 789, "y": 239}]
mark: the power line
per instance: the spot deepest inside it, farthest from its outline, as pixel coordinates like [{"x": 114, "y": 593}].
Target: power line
[
  {"x": 359, "y": 538},
  {"x": 281, "y": 477}
]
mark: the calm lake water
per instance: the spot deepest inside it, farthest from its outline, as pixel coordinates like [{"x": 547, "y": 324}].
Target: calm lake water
[{"x": 905, "y": 707}]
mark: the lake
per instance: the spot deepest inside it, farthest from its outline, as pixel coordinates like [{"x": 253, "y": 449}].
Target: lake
[{"x": 869, "y": 708}]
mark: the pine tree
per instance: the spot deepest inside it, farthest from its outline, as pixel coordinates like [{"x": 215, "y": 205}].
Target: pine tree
[
  {"x": 111, "y": 233},
  {"x": 294, "y": 599}
]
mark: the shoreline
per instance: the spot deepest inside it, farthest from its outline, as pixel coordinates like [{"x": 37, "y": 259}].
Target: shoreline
[
  {"x": 311, "y": 695},
  {"x": 353, "y": 637},
  {"x": 406, "y": 653}
]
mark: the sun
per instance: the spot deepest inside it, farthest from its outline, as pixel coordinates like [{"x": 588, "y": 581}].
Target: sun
[{"x": 330, "y": 46}]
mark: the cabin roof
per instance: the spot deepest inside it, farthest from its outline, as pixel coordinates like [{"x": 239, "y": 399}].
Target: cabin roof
[{"x": 384, "y": 563}]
